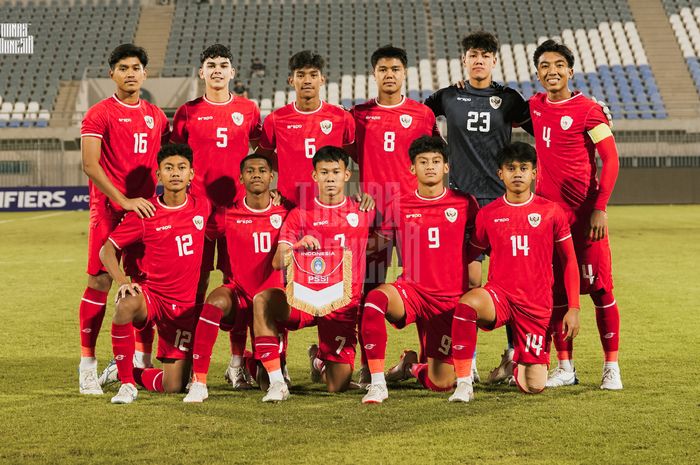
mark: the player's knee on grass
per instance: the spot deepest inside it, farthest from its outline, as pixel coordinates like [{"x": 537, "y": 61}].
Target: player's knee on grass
[
  {"x": 174, "y": 375},
  {"x": 441, "y": 374},
  {"x": 101, "y": 282},
  {"x": 337, "y": 376},
  {"x": 531, "y": 379}
]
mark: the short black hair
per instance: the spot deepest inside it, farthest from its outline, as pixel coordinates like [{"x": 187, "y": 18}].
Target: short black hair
[
  {"x": 517, "y": 151},
  {"x": 552, "y": 46},
  {"x": 331, "y": 153},
  {"x": 255, "y": 156},
  {"x": 306, "y": 59},
  {"x": 428, "y": 144},
  {"x": 127, "y": 51},
  {"x": 389, "y": 51},
  {"x": 170, "y": 150},
  {"x": 481, "y": 40},
  {"x": 215, "y": 51}
]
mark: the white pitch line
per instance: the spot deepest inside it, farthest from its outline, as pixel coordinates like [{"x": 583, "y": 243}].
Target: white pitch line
[{"x": 37, "y": 217}]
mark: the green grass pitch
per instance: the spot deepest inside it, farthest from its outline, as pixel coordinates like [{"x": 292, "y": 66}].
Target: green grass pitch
[{"x": 654, "y": 420}]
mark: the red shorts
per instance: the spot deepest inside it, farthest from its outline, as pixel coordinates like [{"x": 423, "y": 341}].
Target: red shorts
[
  {"x": 594, "y": 260},
  {"x": 175, "y": 323},
  {"x": 432, "y": 315},
  {"x": 103, "y": 220},
  {"x": 530, "y": 327},
  {"x": 243, "y": 306},
  {"x": 337, "y": 332},
  {"x": 216, "y": 247}
]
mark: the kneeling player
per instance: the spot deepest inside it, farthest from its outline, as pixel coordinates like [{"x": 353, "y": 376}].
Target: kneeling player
[
  {"x": 431, "y": 224},
  {"x": 522, "y": 230},
  {"x": 251, "y": 229},
  {"x": 332, "y": 220},
  {"x": 164, "y": 295}
]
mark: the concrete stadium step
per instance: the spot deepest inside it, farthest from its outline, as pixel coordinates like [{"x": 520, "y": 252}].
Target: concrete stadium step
[{"x": 152, "y": 33}]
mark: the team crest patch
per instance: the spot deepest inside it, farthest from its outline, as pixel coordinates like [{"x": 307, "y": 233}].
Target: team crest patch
[
  {"x": 495, "y": 102},
  {"x": 237, "y": 118},
  {"x": 406, "y": 121},
  {"x": 451, "y": 214},
  {"x": 318, "y": 265},
  {"x": 566, "y": 122},
  {"x": 276, "y": 221},
  {"x": 149, "y": 121},
  {"x": 353, "y": 219},
  {"x": 326, "y": 126},
  {"x": 534, "y": 219},
  {"x": 198, "y": 222}
]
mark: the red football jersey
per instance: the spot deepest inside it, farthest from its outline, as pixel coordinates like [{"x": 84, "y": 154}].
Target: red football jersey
[
  {"x": 296, "y": 135},
  {"x": 341, "y": 225},
  {"x": 251, "y": 240},
  {"x": 172, "y": 240},
  {"x": 219, "y": 135},
  {"x": 566, "y": 166},
  {"x": 432, "y": 235},
  {"x": 131, "y": 138},
  {"x": 522, "y": 237},
  {"x": 383, "y": 136}
]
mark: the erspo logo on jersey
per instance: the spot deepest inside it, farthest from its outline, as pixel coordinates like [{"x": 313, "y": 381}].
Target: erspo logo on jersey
[{"x": 44, "y": 198}]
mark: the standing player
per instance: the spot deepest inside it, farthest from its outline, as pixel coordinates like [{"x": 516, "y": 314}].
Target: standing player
[
  {"x": 332, "y": 220},
  {"x": 164, "y": 295},
  {"x": 251, "y": 229},
  {"x": 385, "y": 127},
  {"x": 121, "y": 136},
  {"x": 219, "y": 127},
  {"x": 569, "y": 129},
  {"x": 522, "y": 230},
  {"x": 480, "y": 117},
  {"x": 432, "y": 224},
  {"x": 292, "y": 133}
]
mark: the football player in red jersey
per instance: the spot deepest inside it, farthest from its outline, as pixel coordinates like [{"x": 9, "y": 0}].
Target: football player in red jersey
[
  {"x": 569, "y": 128},
  {"x": 384, "y": 129},
  {"x": 251, "y": 228},
  {"x": 291, "y": 134},
  {"x": 121, "y": 136},
  {"x": 431, "y": 225},
  {"x": 164, "y": 293},
  {"x": 331, "y": 221},
  {"x": 522, "y": 229}
]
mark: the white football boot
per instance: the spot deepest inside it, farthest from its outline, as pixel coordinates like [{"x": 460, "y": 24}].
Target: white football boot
[
  {"x": 88, "y": 382},
  {"x": 198, "y": 393},
  {"x": 126, "y": 395},
  {"x": 109, "y": 374},
  {"x": 504, "y": 370},
  {"x": 238, "y": 378},
  {"x": 561, "y": 377},
  {"x": 611, "y": 379},
  {"x": 463, "y": 393},
  {"x": 277, "y": 392},
  {"x": 376, "y": 394}
]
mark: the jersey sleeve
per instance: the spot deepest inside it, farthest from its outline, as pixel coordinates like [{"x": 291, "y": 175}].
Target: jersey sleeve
[
  {"x": 256, "y": 125},
  {"x": 216, "y": 224},
  {"x": 349, "y": 128},
  {"x": 165, "y": 134},
  {"x": 562, "y": 231},
  {"x": 289, "y": 234},
  {"x": 129, "y": 231},
  {"x": 94, "y": 123},
  {"x": 480, "y": 237},
  {"x": 434, "y": 102},
  {"x": 597, "y": 124},
  {"x": 180, "y": 135},
  {"x": 267, "y": 135},
  {"x": 519, "y": 113}
]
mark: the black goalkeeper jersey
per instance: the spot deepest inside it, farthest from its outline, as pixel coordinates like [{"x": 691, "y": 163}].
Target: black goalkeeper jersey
[{"x": 479, "y": 124}]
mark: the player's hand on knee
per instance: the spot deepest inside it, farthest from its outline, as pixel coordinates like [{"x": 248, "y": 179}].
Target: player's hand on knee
[
  {"x": 309, "y": 243},
  {"x": 366, "y": 201},
  {"x": 141, "y": 206},
  {"x": 599, "y": 225},
  {"x": 570, "y": 324},
  {"x": 127, "y": 289}
]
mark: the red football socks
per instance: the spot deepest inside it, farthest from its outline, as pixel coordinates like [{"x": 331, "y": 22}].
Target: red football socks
[
  {"x": 464, "y": 336},
  {"x": 92, "y": 312},
  {"x": 607, "y": 317},
  {"x": 267, "y": 351},
  {"x": 150, "y": 379},
  {"x": 123, "y": 348},
  {"x": 373, "y": 328},
  {"x": 565, "y": 349},
  {"x": 205, "y": 337},
  {"x": 144, "y": 338}
]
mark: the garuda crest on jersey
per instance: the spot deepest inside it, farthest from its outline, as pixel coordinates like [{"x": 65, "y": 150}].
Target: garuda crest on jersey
[
  {"x": 406, "y": 120},
  {"x": 237, "y": 118},
  {"x": 353, "y": 219},
  {"x": 566, "y": 122},
  {"x": 534, "y": 219},
  {"x": 326, "y": 126},
  {"x": 149, "y": 121},
  {"x": 451, "y": 214},
  {"x": 198, "y": 222},
  {"x": 319, "y": 281},
  {"x": 495, "y": 102},
  {"x": 276, "y": 221}
]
